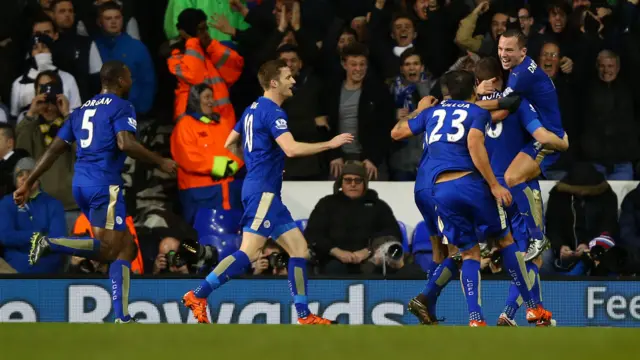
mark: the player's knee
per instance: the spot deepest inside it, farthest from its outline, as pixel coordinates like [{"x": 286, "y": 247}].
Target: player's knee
[
  {"x": 471, "y": 254},
  {"x": 504, "y": 241},
  {"x": 512, "y": 179}
]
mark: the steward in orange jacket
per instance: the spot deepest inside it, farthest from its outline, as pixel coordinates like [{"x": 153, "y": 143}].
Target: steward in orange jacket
[
  {"x": 83, "y": 227},
  {"x": 206, "y": 168},
  {"x": 203, "y": 60}
]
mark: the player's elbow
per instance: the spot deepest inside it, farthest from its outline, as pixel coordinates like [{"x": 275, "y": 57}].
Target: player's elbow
[
  {"x": 290, "y": 150},
  {"x": 124, "y": 141},
  {"x": 396, "y": 134}
]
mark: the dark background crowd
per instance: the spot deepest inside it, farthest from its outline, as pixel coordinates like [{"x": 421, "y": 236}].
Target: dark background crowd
[{"x": 360, "y": 66}]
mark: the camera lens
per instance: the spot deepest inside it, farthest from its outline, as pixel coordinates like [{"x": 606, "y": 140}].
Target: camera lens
[{"x": 395, "y": 252}]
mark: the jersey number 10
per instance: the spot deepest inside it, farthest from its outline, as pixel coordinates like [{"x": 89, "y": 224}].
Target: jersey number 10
[
  {"x": 248, "y": 132},
  {"x": 459, "y": 116}
]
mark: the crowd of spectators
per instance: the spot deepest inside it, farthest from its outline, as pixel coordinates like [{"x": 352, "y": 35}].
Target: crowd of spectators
[{"x": 360, "y": 66}]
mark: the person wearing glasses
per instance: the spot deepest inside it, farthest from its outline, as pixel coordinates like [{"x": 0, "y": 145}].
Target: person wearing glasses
[{"x": 342, "y": 224}]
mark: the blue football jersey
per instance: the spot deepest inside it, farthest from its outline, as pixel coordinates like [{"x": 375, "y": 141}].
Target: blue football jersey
[
  {"x": 446, "y": 127},
  {"x": 505, "y": 139},
  {"x": 260, "y": 125},
  {"x": 94, "y": 126},
  {"x": 530, "y": 82}
]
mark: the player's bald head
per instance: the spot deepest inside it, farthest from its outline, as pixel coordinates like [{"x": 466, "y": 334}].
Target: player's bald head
[
  {"x": 460, "y": 84},
  {"x": 112, "y": 72}
]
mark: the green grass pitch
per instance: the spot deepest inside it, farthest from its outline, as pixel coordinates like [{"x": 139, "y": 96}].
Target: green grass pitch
[{"x": 263, "y": 342}]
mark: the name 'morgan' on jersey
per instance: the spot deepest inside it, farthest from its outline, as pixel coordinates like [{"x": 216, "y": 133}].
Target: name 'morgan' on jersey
[
  {"x": 260, "y": 125},
  {"x": 530, "y": 82},
  {"x": 94, "y": 126},
  {"x": 446, "y": 128}
]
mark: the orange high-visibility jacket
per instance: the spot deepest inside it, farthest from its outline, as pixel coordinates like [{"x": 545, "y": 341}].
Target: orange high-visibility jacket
[
  {"x": 82, "y": 227},
  {"x": 220, "y": 67},
  {"x": 194, "y": 144}
]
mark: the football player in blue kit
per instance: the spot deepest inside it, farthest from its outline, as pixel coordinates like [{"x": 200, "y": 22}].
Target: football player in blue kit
[
  {"x": 263, "y": 133},
  {"x": 104, "y": 130},
  {"x": 505, "y": 138},
  {"x": 456, "y": 175},
  {"x": 529, "y": 82}
]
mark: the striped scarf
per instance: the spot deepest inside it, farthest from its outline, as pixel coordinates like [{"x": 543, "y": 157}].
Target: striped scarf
[{"x": 403, "y": 92}]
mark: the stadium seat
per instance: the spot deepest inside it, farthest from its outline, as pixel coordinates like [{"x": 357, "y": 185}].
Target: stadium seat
[
  {"x": 405, "y": 237},
  {"x": 220, "y": 229},
  {"x": 420, "y": 240},
  {"x": 302, "y": 224}
]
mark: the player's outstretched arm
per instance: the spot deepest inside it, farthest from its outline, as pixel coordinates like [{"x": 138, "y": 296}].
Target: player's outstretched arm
[
  {"x": 233, "y": 144},
  {"x": 401, "y": 130},
  {"x": 130, "y": 146},
  {"x": 292, "y": 148},
  {"x": 550, "y": 140},
  {"x": 57, "y": 148},
  {"x": 480, "y": 158}
]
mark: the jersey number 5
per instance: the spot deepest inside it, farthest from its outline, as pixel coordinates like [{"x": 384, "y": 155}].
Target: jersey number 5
[
  {"x": 248, "y": 132},
  {"x": 459, "y": 116},
  {"x": 87, "y": 125}
]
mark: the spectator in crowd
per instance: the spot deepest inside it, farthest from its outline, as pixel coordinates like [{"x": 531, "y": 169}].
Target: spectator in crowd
[
  {"x": 329, "y": 63},
  {"x": 72, "y": 50},
  {"x": 41, "y": 213},
  {"x": 88, "y": 13},
  {"x": 342, "y": 224},
  {"x": 361, "y": 105},
  {"x": 610, "y": 137},
  {"x": 566, "y": 88},
  {"x": 9, "y": 157},
  {"x": 526, "y": 21},
  {"x": 581, "y": 206},
  {"x": 630, "y": 221},
  {"x": 206, "y": 168},
  {"x": 233, "y": 12},
  {"x": 408, "y": 88},
  {"x": 199, "y": 59},
  {"x": 271, "y": 261},
  {"x": 113, "y": 44},
  {"x": 36, "y": 132},
  {"x": 483, "y": 45},
  {"x": 41, "y": 59},
  {"x": 167, "y": 248}
]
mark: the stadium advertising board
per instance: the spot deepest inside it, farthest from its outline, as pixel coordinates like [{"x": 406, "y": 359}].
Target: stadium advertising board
[{"x": 382, "y": 302}]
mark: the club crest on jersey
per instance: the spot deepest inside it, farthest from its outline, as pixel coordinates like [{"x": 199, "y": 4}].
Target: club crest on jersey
[
  {"x": 281, "y": 124},
  {"x": 133, "y": 123}
]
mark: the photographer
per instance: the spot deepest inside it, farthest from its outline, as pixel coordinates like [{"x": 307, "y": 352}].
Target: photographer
[
  {"x": 273, "y": 260},
  {"x": 45, "y": 117},
  {"x": 167, "y": 259},
  {"x": 342, "y": 224}
]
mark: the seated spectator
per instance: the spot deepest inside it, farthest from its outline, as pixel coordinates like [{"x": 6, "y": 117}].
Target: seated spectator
[
  {"x": 165, "y": 261},
  {"x": 36, "y": 132},
  {"x": 199, "y": 59},
  {"x": 273, "y": 260},
  {"x": 9, "y": 157},
  {"x": 361, "y": 105},
  {"x": 206, "y": 168},
  {"x": 408, "y": 88},
  {"x": 342, "y": 224},
  {"x": 23, "y": 90},
  {"x": 581, "y": 206},
  {"x": 483, "y": 45},
  {"x": 88, "y": 13},
  {"x": 41, "y": 213},
  {"x": 113, "y": 44},
  {"x": 610, "y": 135}
]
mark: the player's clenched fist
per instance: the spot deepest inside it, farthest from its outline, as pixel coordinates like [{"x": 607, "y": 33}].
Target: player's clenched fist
[
  {"x": 427, "y": 102},
  {"x": 340, "y": 140},
  {"x": 501, "y": 194}
]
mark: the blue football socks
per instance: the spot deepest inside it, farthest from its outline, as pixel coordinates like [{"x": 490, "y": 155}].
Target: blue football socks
[
  {"x": 297, "y": 273},
  {"x": 119, "y": 273},
  {"x": 232, "y": 265},
  {"x": 470, "y": 278},
  {"x": 85, "y": 247}
]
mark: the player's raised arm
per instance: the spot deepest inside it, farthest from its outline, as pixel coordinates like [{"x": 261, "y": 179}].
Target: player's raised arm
[
  {"x": 57, "y": 148},
  {"x": 405, "y": 129},
  {"x": 480, "y": 158},
  {"x": 129, "y": 145},
  {"x": 292, "y": 148}
]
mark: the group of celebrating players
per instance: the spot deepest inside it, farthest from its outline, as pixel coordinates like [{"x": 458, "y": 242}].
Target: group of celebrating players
[{"x": 470, "y": 190}]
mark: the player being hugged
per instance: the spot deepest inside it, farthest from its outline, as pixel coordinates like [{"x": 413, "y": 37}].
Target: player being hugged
[
  {"x": 528, "y": 81},
  {"x": 104, "y": 128},
  {"x": 457, "y": 177},
  {"x": 266, "y": 140}
]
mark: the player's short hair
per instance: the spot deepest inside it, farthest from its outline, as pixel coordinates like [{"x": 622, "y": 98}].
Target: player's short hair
[
  {"x": 488, "y": 68},
  {"x": 409, "y": 53},
  {"x": 519, "y": 35},
  {"x": 270, "y": 71},
  {"x": 8, "y": 131},
  {"x": 353, "y": 50},
  {"x": 109, "y": 5},
  {"x": 54, "y": 3},
  {"x": 459, "y": 83},
  {"x": 111, "y": 71}
]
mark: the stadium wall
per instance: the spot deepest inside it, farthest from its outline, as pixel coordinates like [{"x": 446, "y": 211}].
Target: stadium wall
[
  {"x": 584, "y": 302},
  {"x": 302, "y": 197}
]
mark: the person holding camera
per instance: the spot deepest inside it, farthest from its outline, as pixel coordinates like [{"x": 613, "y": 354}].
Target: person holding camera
[
  {"x": 168, "y": 260},
  {"x": 48, "y": 111},
  {"x": 273, "y": 261},
  {"x": 342, "y": 224}
]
